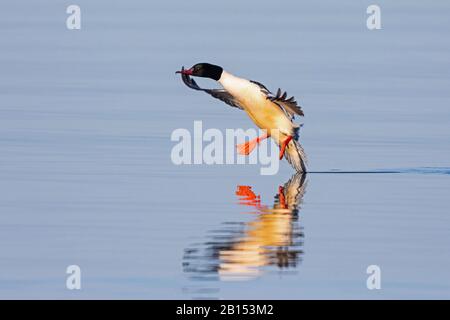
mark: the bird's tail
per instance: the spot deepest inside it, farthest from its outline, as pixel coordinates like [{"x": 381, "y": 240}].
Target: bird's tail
[{"x": 295, "y": 155}]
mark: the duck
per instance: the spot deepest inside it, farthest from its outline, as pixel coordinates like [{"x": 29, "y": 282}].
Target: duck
[{"x": 273, "y": 113}]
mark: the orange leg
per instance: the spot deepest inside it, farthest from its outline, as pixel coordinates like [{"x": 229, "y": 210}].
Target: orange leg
[
  {"x": 247, "y": 147},
  {"x": 284, "y": 145}
]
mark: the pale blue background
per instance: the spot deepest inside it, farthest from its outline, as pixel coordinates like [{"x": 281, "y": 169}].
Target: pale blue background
[{"x": 85, "y": 124}]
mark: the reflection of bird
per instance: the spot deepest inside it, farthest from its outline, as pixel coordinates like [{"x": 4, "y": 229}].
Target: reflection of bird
[
  {"x": 273, "y": 113},
  {"x": 272, "y": 238}
]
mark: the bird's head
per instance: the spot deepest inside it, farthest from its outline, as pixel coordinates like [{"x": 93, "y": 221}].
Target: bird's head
[{"x": 205, "y": 70}]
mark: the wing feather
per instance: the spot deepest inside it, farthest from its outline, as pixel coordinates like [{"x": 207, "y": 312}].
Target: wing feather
[
  {"x": 288, "y": 105},
  {"x": 220, "y": 94}
]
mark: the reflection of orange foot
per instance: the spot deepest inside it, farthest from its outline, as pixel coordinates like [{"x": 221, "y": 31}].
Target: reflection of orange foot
[
  {"x": 245, "y": 191},
  {"x": 282, "y": 197},
  {"x": 249, "y": 198},
  {"x": 247, "y": 147},
  {"x": 284, "y": 145}
]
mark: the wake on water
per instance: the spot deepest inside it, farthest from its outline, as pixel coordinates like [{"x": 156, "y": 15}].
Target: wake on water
[{"x": 417, "y": 170}]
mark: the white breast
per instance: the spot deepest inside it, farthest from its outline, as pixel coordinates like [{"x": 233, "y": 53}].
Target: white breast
[{"x": 240, "y": 88}]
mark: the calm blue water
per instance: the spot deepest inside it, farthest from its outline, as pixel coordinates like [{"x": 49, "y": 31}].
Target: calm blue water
[{"x": 86, "y": 176}]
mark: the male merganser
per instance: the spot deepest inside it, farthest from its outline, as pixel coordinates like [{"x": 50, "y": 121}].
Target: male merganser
[{"x": 272, "y": 113}]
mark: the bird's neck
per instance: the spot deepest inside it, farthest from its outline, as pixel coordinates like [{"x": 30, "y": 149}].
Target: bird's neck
[
  {"x": 226, "y": 77},
  {"x": 232, "y": 83}
]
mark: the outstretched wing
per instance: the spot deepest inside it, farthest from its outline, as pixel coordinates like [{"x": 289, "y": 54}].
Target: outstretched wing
[
  {"x": 220, "y": 94},
  {"x": 288, "y": 105}
]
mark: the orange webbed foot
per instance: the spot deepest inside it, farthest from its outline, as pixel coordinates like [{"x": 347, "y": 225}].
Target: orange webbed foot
[{"x": 247, "y": 147}]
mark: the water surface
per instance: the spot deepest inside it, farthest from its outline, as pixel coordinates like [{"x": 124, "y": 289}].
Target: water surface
[{"x": 86, "y": 176}]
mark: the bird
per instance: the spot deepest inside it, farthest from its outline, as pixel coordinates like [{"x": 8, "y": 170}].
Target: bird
[{"x": 273, "y": 113}]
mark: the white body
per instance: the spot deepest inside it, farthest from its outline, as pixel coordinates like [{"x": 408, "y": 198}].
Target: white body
[{"x": 264, "y": 113}]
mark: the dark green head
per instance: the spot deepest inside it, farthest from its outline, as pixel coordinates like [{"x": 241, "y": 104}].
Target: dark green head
[{"x": 205, "y": 70}]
